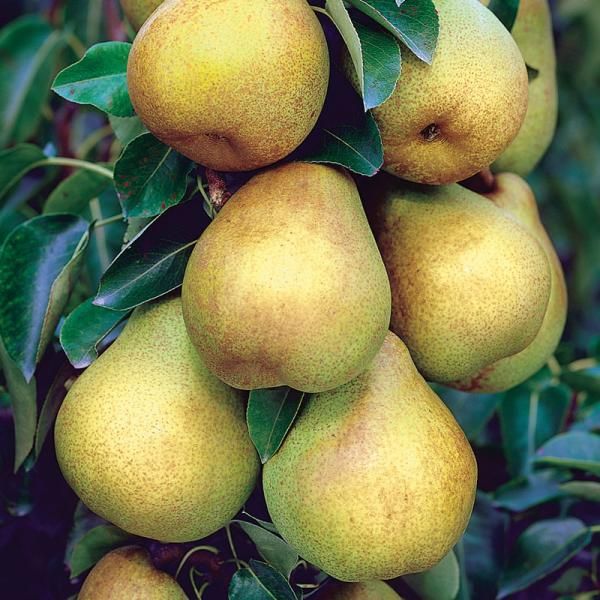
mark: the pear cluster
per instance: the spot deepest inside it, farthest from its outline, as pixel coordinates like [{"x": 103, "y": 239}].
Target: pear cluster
[{"x": 355, "y": 292}]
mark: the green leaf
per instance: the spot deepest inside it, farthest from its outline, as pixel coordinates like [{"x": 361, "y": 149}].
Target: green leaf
[
  {"x": 589, "y": 420},
  {"x": 522, "y": 494},
  {"x": 46, "y": 250},
  {"x": 572, "y": 450},
  {"x": 127, "y": 128},
  {"x": 415, "y": 23},
  {"x": 29, "y": 49},
  {"x": 586, "y": 490},
  {"x": 94, "y": 545},
  {"x": 472, "y": 413},
  {"x": 15, "y": 163},
  {"x": 569, "y": 582},
  {"x": 99, "y": 79},
  {"x": 84, "y": 329},
  {"x": 150, "y": 177},
  {"x": 441, "y": 582},
  {"x": 74, "y": 193},
  {"x": 153, "y": 263},
  {"x": 483, "y": 545},
  {"x": 270, "y": 415},
  {"x": 544, "y": 547},
  {"x": 528, "y": 418},
  {"x": 56, "y": 394},
  {"x": 87, "y": 19},
  {"x": 278, "y": 553},
  {"x": 506, "y": 11},
  {"x": 260, "y": 582},
  {"x": 23, "y": 397},
  {"x": 345, "y": 135},
  {"x": 583, "y": 380}
]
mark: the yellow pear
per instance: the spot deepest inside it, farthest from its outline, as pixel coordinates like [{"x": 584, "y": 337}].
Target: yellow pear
[
  {"x": 128, "y": 574},
  {"x": 376, "y": 479},
  {"x": 512, "y": 194},
  {"x": 286, "y": 286},
  {"x": 234, "y": 85},
  {"x": 471, "y": 282},
  {"x": 447, "y": 121},
  {"x": 138, "y": 11},
  {"x": 368, "y": 590},
  {"x": 533, "y": 33},
  {"x": 149, "y": 439}
]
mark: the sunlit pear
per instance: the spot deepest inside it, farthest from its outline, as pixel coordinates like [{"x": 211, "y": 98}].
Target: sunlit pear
[
  {"x": 128, "y": 574},
  {"x": 375, "y": 479},
  {"x": 448, "y": 120},
  {"x": 234, "y": 85},
  {"x": 471, "y": 283},
  {"x": 286, "y": 286},
  {"x": 150, "y": 440}
]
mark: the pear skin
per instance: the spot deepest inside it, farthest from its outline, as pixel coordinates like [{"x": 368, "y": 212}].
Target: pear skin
[
  {"x": 533, "y": 33},
  {"x": 150, "y": 440},
  {"x": 128, "y": 574},
  {"x": 286, "y": 286},
  {"x": 368, "y": 590},
  {"x": 233, "y": 85},
  {"x": 512, "y": 194},
  {"x": 448, "y": 120},
  {"x": 470, "y": 283},
  {"x": 138, "y": 11},
  {"x": 376, "y": 479}
]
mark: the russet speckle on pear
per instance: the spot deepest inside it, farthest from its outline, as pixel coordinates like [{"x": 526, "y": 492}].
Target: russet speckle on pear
[
  {"x": 533, "y": 33},
  {"x": 286, "y": 286},
  {"x": 127, "y": 573},
  {"x": 150, "y": 440},
  {"x": 138, "y": 11},
  {"x": 448, "y": 120},
  {"x": 234, "y": 85},
  {"x": 376, "y": 479},
  {"x": 471, "y": 283},
  {"x": 366, "y": 590}
]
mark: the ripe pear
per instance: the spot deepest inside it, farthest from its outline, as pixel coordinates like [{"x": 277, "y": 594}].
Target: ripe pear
[
  {"x": 368, "y": 590},
  {"x": 448, "y": 120},
  {"x": 128, "y": 574},
  {"x": 533, "y": 33},
  {"x": 138, "y": 11},
  {"x": 376, "y": 479},
  {"x": 234, "y": 85},
  {"x": 149, "y": 439},
  {"x": 286, "y": 286},
  {"x": 512, "y": 194},
  {"x": 471, "y": 282}
]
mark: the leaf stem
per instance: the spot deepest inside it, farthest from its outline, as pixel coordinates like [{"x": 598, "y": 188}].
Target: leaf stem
[
  {"x": 74, "y": 162},
  {"x": 189, "y": 553},
  {"x": 108, "y": 221},
  {"x": 232, "y": 546},
  {"x": 90, "y": 142}
]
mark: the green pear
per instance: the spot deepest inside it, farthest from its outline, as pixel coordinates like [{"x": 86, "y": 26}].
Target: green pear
[
  {"x": 128, "y": 574},
  {"x": 471, "y": 282},
  {"x": 150, "y": 440},
  {"x": 533, "y": 33},
  {"x": 376, "y": 479},
  {"x": 512, "y": 194},
  {"x": 286, "y": 286},
  {"x": 368, "y": 590},
  {"x": 138, "y": 11},
  {"x": 448, "y": 120},
  {"x": 234, "y": 85}
]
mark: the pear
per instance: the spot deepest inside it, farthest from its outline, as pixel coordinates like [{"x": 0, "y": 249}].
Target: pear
[
  {"x": 511, "y": 193},
  {"x": 448, "y": 120},
  {"x": 471, "y": 283},
  {"x": 376, "y": 479},
  {"x": 128, "y": 574},
  {"x": 234, "y": 85},
  {"x": 533, "y": 33},
  {"x": 149, "y": 439},
  {"x": 368, "y": 590},
  {"x": 286, "y": 286},
  {"x": 138, "y": 11}
]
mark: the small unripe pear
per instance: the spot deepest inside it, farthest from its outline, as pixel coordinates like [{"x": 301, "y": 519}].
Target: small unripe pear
[
  {"x": 138, "y": 11},
  {"x": 368, "y": 590}
]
